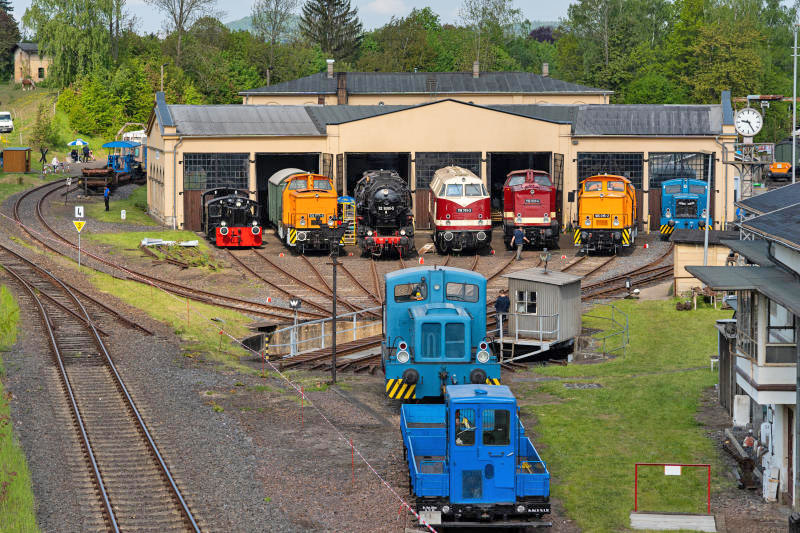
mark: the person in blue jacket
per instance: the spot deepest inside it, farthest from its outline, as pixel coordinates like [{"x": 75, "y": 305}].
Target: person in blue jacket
[{"x": 106, "y": 194}]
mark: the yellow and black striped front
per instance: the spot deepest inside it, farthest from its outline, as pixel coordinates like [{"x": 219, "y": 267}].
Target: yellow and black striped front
[
  {"x": 292, "y": 236},
  {"x": 492, "y": 381},
  {"x": 397, "y": 390},
  {"x": 666, "y": 229},
  {"x": 626, "y": 237},
  {"x": 577, "y": 236}
]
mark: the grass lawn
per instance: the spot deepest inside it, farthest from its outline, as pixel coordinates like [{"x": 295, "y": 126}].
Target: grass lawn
[
  {"x": 135, "y": 207},
  {"x": 128, "y": 243},
  {"x": 643, "y": 412},
  {"x": 17, "y": 506},
  {"x": 13, "y": 183},
  {"x": 201, "y": 337}
]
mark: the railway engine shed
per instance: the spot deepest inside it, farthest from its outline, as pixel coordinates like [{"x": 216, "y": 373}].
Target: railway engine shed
[{"x": 341, "y": 124}]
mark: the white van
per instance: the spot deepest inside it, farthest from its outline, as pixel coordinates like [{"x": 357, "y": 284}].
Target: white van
[{"x": 6, "y": 124}]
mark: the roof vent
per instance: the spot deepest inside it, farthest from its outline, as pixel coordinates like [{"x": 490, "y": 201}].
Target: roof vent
[
  {"x": 330, "y": 68},
  {"x": 545, "y": 69},
  {"x": 476, "y": 69},
  {"x": 430, "y": 85}
]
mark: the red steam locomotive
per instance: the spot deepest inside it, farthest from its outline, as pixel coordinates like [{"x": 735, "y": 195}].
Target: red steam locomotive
[{"x": 529, "y": 202}]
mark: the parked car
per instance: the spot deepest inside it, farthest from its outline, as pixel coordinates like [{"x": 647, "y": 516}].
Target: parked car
[{"x": 6, "y": 123}]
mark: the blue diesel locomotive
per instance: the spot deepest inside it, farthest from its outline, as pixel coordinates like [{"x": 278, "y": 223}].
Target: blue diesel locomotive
[
  {"x": 683, "y": 205},
  {"x": 435, "y": 332}
]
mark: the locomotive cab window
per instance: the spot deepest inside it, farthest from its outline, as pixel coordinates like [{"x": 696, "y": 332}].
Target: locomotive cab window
[
  {"x": 697, "y": 189},
  {"x": 454, "y": 341},
  {"x": 526, "y": 302},
  {"x": 462, "y": 292},
  {"x": 513, "y": 181},
  {"x": 593, "y": 186},
  {"x": 322, "y": 184},
  {"x": 496, "y": 427},
  {"x": 298, "y": 184},
  {"x": 672, "y": 189},
  {"x": 453, "y": 190},
  {"x": 411, "y": 292},
  {"x": 617, "y": 186},
  {"x": 474, "y": 189},
  {"x": 430, "y": 342},
  {"x": 543, "y": 181},
  {"x": 465, "y": 427}
]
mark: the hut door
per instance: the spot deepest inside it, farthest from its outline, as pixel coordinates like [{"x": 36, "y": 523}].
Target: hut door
[
  {"x": 192, "y": 210},
  {"x": 655, "y": 208}
]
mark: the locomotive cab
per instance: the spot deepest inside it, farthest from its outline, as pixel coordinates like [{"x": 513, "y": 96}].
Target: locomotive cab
[
  {"x": 435, "y": 324},
  {"x": 529, "y": 202}
]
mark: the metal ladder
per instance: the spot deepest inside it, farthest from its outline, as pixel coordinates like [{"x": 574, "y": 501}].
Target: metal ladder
[{"x": 349, "y": 220}]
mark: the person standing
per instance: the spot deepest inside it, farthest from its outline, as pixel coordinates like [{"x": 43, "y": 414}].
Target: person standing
[
  {"x": 86, "y": 153},
  {"x": 519, "y": 239},
  {"x": 501, "y": 306},
  {"x": 106, "y": 194}
]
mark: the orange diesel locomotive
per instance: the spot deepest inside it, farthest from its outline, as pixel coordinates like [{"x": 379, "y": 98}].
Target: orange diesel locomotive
[{"x": 606, "y": 214}]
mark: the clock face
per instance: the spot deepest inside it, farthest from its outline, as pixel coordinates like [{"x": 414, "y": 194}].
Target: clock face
[{"x": 748, "y": 122}]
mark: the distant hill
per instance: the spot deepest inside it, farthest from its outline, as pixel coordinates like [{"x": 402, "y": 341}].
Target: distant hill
[{"x": 246, "y": 24}]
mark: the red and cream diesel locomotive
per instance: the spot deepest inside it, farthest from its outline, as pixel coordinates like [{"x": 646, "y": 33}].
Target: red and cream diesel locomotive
[
  {"x": 461, "y": 211},
  {"x": 529, "y": 202}
]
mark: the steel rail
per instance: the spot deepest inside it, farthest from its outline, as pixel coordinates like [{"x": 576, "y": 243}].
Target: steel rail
[
  {"x": 321, "y": 278},
  {"x": 358, "y": 283}
]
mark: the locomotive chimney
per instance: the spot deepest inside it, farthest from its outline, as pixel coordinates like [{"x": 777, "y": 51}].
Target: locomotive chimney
[
  {"x": 330, "y": 68},
  {"x": 476, "y": 69},
  {"x": 545, "y": 69}
]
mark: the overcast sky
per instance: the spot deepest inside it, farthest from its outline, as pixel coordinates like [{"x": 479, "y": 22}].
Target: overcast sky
[{"x": 373, "y": 13}]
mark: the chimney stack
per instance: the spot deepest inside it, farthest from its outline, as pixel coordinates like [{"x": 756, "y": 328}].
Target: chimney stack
[
  {"x": 330, "y": 68},
  {"x": 545, "y": 69},
  {"x": 476, "y": 69}
]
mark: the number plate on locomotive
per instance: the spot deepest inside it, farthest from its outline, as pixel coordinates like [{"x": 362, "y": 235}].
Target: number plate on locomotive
[
  {"x": 602, "y": 216},
  {"x": 464, "y": 210},
  {"x": 532, "y": 201},
  {"x": 385, "y": 208}
]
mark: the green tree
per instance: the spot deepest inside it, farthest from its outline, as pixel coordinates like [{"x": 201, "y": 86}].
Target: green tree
[
  {"x": 43, "y": 132},
  {"x": 489, "y": 21},
  {"x": 5, "y": 5},
  {"x": 401, "y": 45},
  {"x": 270, "y": 20},
  {"x": 180, "y": 15},
  {"x": 9, "y": 35},
  {"x": 333, "y": 25}
]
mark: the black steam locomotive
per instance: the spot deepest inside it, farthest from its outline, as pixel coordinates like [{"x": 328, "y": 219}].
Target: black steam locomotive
[
  {"x": 383, "y": 207},
  {"x": 230, "y": 218}
]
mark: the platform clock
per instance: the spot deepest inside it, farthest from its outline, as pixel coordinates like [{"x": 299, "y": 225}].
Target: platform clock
[{"x": 748, "y": 122}]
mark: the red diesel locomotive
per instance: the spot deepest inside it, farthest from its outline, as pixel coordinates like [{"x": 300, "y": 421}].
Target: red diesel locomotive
[
  {"x": 461, "y": 211},
  {"x": 529, "y": 202}
]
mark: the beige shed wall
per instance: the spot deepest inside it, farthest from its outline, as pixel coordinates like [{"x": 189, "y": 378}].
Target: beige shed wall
[
  {"x": 692, "y": 254},
  {"x": 413, "y": 99},
  {"x": 27, "y": 66}
]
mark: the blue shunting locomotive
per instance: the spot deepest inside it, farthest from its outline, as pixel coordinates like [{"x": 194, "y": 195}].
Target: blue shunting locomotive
[
  {"x": 435, "y": 332},
  {"x": 683, "y": 205},
  {"x": 470, "y": 462}
]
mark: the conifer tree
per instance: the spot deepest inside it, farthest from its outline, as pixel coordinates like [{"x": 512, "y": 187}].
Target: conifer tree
[
  {"x": 5, "y": 5},
  {"x": 333, "y": 25}
]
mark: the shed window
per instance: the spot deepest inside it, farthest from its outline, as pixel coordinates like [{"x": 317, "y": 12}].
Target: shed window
[
  {"x": 496, "y": 427},
  {"x": 671, "y": 165},
  {"x": 454, "y": 340},
  {"x": 411, "y": 292},
  {"x": 215, "y": 170},
  {"x": 781, "y": 325},
  {"x": 431, "y": 340},
  {"x": 513, "y": 181},
  {"x": 462, "y": 292},
  {"x": 526, "y": 302},
  {"x": 465, "y": 427},
  {"x": 630, "y": 165}
]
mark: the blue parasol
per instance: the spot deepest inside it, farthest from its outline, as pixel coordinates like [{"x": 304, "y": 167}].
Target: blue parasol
[{"x": 77, "y": 142}]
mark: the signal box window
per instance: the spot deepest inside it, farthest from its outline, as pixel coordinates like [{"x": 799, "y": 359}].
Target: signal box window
[
  {"x": 454, "y": 340},
  {"x": 513, "y": 181},
  {"x": 298, "y": 184},
  {"x": 496, "y": 427},
  {"x": 526, "y": 302},
  {"x": 411, "y": 292},
  {"x": 697, "y": 189},
  {"x": 430, "y": 342},
  {"x": 453, "y": 190},
  {"x": 322, "y": 184},
  {"x": 473, "y": 189},
  {"x": 616, "y": 186},
  {"x": 462, "y": 292},
  {"x": 593, "y": 186},
  {"x": 465, "y": 427},
  {"x": 672, "y": 189}
]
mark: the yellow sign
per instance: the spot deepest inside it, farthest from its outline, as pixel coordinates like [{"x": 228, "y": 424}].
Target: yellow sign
[{"x": 79, "y": 224}]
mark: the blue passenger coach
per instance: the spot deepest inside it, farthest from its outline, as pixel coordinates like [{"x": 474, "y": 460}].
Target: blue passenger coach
[
  {"x": 683, "y": 205},
  {"x": 435, "y": 332}
]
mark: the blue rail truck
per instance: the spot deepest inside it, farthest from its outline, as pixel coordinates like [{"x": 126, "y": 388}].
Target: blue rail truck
[{"x": 470, "y": 462}]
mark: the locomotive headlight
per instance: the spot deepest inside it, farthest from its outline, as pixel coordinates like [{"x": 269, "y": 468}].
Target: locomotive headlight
[
  {"x": 447, "y": 221},
  {"x": 403, "y": 357},
  {"x": 704, "y": 214},
  {"x": 369, "y": 233},
  {"x": 302, "y": 221},
  {"x": 447, "y": 216},
  {"x": 616, "y": 221},
  {"x": 238, "y": 203},
  {"x": 588, "y": 221},
  {"x": 546, "y": 218},
  {"x": 223, "y": 223},
  {"x": 584, "y": 235},
  {"x": 445, "y": 509},
  {"x": 483, "y": 357},
  {"x": 255, "y": 223},
  {"x": 223, "y": 231},
  {"x": 520, "y": 508},
  {"x": 402, "y": 232},
  {"x": 256, "y": 230},
  {"x": 668, "y": 213}
]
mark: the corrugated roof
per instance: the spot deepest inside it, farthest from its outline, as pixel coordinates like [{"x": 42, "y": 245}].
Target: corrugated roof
[
  {"x": 552, "y": 277},
  {"x": 427, "y": 83},
  {"x": 561, "y": 114},
  {"x": 756, "y": 251},
  {"x": 775, "y": 283},
  {"x": 238, "y": 120},
  {"x": 339, "y": 114},
  {"x": 782, "y": 225},
  {"x": 661, "y": 120},
  {"x": 727, "y": 108},
  {"x": 772, "y": 200},
  {"x": 697, "y": 236},
  {"x": 162, "y": 112}
]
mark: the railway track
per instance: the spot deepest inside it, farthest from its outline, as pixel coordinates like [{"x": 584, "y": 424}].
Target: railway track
[
  {"x": 199, "y": 295},
  {"x": 132, "y": 480}
]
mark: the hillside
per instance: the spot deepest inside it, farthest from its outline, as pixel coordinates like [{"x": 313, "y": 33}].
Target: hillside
[{"x": 246, "y": 24}]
